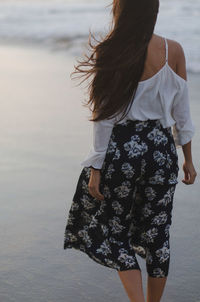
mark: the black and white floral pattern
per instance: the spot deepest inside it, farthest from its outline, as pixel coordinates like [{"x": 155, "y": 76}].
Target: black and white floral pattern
[
  {"x": 163, "y": 253},
  {"x": 159, "y": 157},
  {"x": 158, "y": 137},
  {"x": 110, "y": 171},
  {"x": 128, "y": 170},
  {"x": 158, "y": 178},
  {"x": 138, "y": 180},
  {"x": 135, "y": 147}
]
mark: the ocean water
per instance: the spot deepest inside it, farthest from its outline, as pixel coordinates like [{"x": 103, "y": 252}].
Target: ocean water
[{"x": 64, "y": 24}]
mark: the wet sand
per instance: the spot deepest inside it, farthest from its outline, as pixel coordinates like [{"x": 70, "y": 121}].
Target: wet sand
[{"x": 44, "y": 136}]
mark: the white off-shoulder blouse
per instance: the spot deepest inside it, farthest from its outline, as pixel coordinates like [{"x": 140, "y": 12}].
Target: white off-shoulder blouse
[{"x": 164, "y": 96}]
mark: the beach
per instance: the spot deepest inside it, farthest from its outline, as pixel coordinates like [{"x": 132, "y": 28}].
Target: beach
[{"x": 44, "y": 136}]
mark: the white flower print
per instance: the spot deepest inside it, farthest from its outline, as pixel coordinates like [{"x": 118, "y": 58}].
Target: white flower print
[
  {"x": 169, "y": 161},
  {"x": 85, "y": 186},
  {"x": 109, "y": 172},
  {"x": 173, "y": 149},
  {"x": 147, "y": 211},
  {"x": 106, "y": 191},
  {"x": 158, "y": 272},
  {"x": 69, "y": 236},
  {"x": 159, "y": 157},
  {"x": 105, "y": 248},
  {"x": 113, "y": 240},
  {"x": 157, "y": 136},
  {"x": 163, "y": 253},
  {"x": 117, "y": 154},
  {"x": 70, "y": 218},
  {"x": 104, "y": 229},
  {"x": 123, "y": 190},
  {"x": 158, "y": 178},
  {"x": 150, "y": 235},
  {"x": 101, "y": 209},
  {"x": 128, "y": 170},
  {"x": 129, "y": 261},
  {"x": 117, "y": 207},
  {"x": 167, "y": 228},
  {"x": 74, "y": 206},
  {"x": 86, "y": 202},
  {"x": 134, "y": 147},
  {"x": 99, "y": 212},
  {"x": 112, "y": 145},
  {"x": 115, "y": 225},
  {"x": 143, "y": 165},
  {"x": 159, "y": 219},
  {"x": 167, "y": 197},
  {"x": 93, "y": 223},
  {"x": 150, "y": 193},
  {"x": 172, "y": 189},
  {"x": 173, "y": 178},
  {"x": 85, "y": 237},
  {"x": 102, "y": 206},
  {"x": 87, "y": 218},
  {"x": 140, "y": 126},
  {"x": 87, "y": 171},
  {"x": 140, "y": 250}
]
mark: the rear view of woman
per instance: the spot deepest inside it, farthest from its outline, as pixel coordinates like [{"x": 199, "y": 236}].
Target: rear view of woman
[{"x": 123, "y": 200}]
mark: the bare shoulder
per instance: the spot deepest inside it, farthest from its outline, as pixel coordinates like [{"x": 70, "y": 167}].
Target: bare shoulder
[
  {"x": 176, "y": 48},
  {"x": 178, "y": 55}
]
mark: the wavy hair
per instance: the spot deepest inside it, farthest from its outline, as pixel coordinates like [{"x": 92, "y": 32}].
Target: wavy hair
[{"x": 117, "y": 62}]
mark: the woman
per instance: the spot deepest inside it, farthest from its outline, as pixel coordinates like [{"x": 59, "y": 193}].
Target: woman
[{"x": 123, "y": 201}]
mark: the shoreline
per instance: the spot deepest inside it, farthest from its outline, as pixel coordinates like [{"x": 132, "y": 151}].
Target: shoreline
[
  {"x": 73, "y": 50},
  {"x": 65, "y": 47}
]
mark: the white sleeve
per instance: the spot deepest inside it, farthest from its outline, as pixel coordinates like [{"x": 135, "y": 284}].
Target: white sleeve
[
  {"x": 101, "y": 135},
  {"x": 183, "y": 129}
]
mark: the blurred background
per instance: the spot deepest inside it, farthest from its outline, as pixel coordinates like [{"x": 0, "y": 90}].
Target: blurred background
[{"x": 45, "y": 134}]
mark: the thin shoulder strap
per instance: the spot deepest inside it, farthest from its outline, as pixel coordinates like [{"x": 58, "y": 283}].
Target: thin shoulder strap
[{"x": 166, "y": 49}]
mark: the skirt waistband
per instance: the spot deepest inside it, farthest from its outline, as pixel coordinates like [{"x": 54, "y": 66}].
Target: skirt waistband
[{"x": 147, "y": 122}]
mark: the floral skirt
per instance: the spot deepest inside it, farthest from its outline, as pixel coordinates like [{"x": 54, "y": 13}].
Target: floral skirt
[{"x": 138, "y": 181}]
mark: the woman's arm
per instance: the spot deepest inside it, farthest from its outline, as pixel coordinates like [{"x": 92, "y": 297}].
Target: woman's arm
[
  {"x": 184, "y": 128},
  {"x": 188, "y": 167},
  {"x": 101, "y": 135}
]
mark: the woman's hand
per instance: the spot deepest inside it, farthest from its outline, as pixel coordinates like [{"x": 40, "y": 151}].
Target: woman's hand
[
  {"x": 93, "y": 185},
  {"x": 189, "y": 173}
]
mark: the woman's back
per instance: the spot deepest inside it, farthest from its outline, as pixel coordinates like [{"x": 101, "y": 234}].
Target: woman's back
[
  {"x": 156, "y": 56},
  {"x": 160, "y": 88},
  {"x": 162, "y": 94}
]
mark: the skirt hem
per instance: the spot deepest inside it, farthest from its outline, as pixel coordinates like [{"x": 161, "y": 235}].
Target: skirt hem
[{"x": 94, "y": 258}]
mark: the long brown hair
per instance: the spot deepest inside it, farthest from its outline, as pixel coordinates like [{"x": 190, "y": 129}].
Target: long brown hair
[{"x": 117, "y": 62}]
